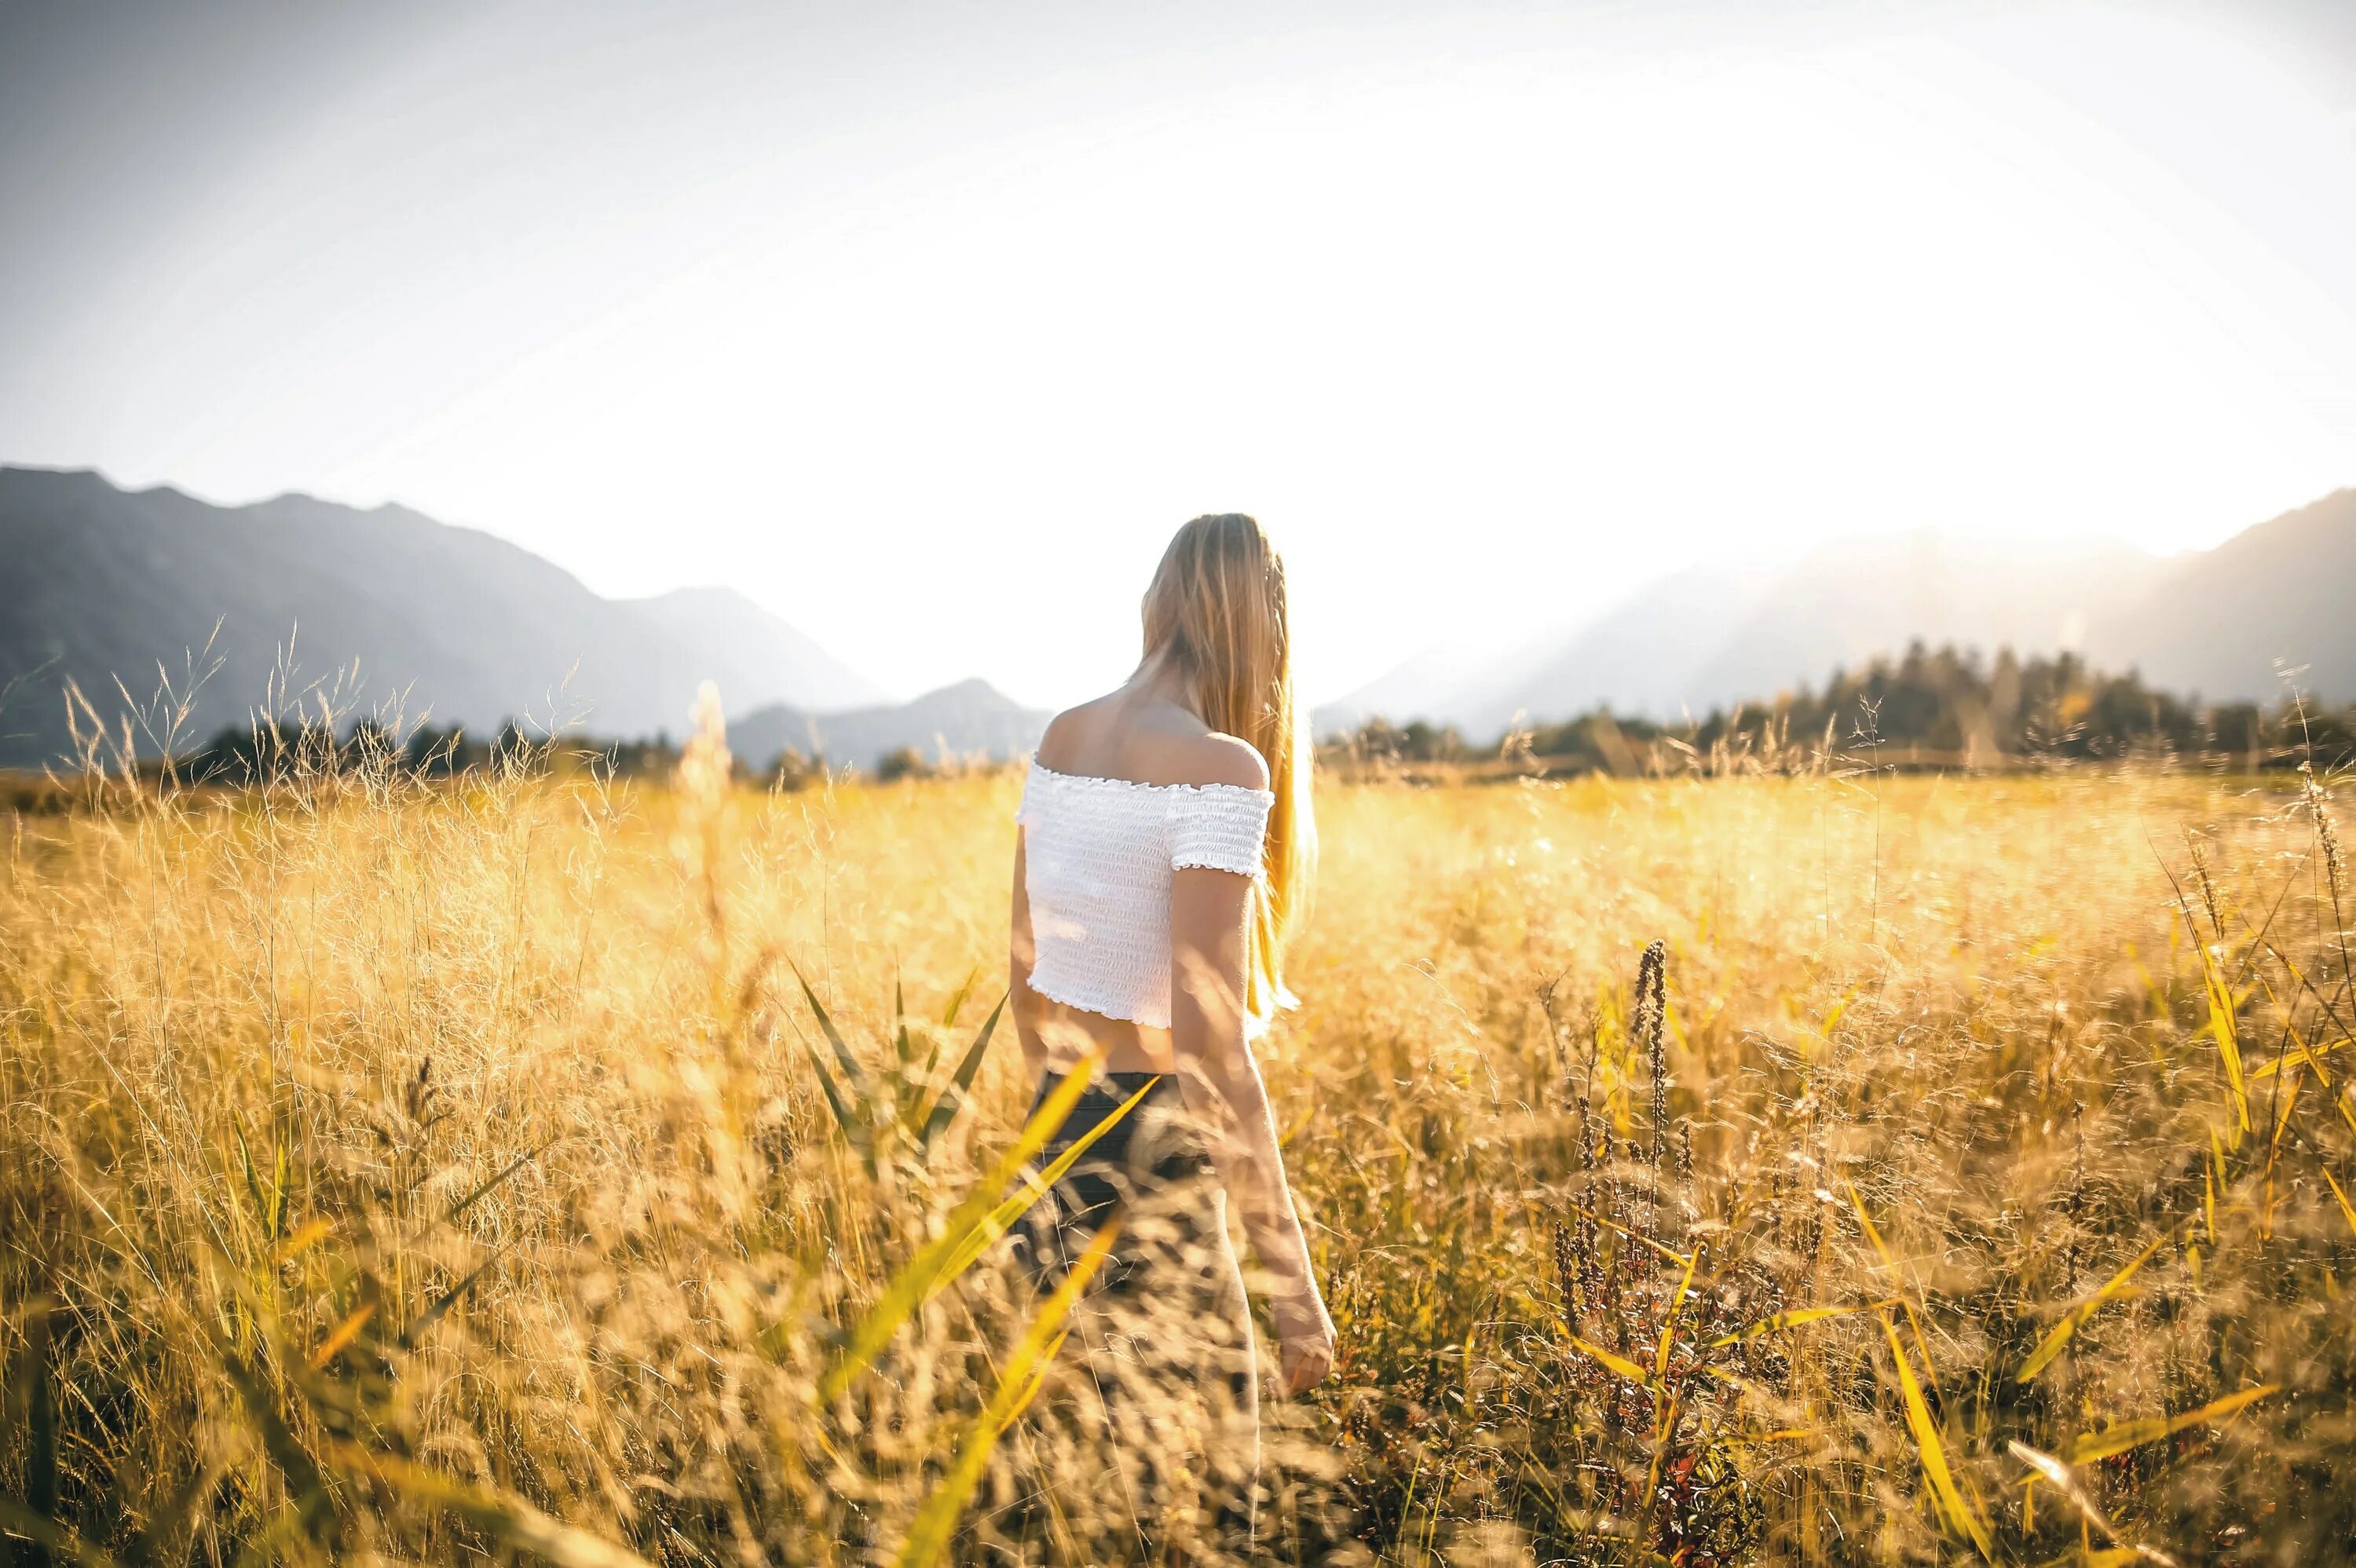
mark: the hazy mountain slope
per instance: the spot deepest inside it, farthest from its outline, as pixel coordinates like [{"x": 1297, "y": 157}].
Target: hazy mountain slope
[
  {"x": 1710, "y": 636},
  {"x": 1627, "y": 655},
  {"x": 1425, "y": 682},
  {"x": 965, "y": 720},
  {"x": 1464, "y": 678},
  {"x": 1639, "y": 658},
  {"x": 1844, "y": 604},
  {"x": 759, "y": 660},
  {"x": 98, "y": 583},
  {"x": 2218, "y": 623}
]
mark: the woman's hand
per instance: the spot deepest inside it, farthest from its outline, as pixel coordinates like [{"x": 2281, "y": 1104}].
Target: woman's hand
[
  {"x": 1303, "y": 1364},
  {"x": 1304, "y": 1342}
]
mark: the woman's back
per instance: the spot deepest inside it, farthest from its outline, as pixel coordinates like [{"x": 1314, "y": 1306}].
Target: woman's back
[
  {"x": 1103, "y": 849},
  {"x": 1145, "y": 739},
  {"x": 1126, "y": 793}
]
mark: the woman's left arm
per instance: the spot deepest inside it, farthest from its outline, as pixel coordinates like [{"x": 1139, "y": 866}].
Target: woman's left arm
[{"x": 1021, "y": 954}]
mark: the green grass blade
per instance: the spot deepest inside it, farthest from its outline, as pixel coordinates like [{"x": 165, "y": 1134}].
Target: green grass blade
[
  {"x": 423, "y": 1323},
  {"x": 33, "y": 1401},
  {"x": 479, "y": 1193},
  {"x": 1930, "y": 1450},
  {"x": 952, "y": 1098},
  {"x": 1889, "y": 1263},
  {"x": 853, "y": 1127},
  {"x": 925, "y": 1271},
  {"x": 20, "y": 1520},
  {"x": 304, "y": 1483},
  {"x": 852, "y": 1074},
  {"x": 1795, "y": 1318},
  {"x": 2222, "y": 1026},
  {"x": 1000, "y": 1219},
  {"x": 503, "y": 1516},
  {"x": 936, "y": 1526},
  {"x": 280, "y": 1181},
  {"x": 2076, "y": 1317},
  {"x": 1676, "y": 1313},
  {"x": 252, "y": 1181},
  {"x": 2122, "y": 1436},
  {"x": 159, "y": 1542},
  {"x": 957, "y": 1000},
  {"x": 2347, "y": 1209},
  {"x": 1619, "y": 1365}
]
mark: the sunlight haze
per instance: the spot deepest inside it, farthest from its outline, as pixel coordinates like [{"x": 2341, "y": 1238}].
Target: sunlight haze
[{"x": 924, "y": 327}]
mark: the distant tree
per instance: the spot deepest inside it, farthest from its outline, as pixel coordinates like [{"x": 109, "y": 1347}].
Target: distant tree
[
  {"x": 234, "y": 756},
  {"x": 792, "y": 770},
  {"x": 1596, "y": 741},
  {"x": 369, "y": 743},
  {"x": 1929, "y": 708},
  {"x": 1955, "y": 703},
  {"x": 1932, "y": 705},
  {"x": 429, "y": 752},
  {"x": 1380, "y": 740},
  {"x": 655, "y": 759},
  {"x": 907, "y": 763}
]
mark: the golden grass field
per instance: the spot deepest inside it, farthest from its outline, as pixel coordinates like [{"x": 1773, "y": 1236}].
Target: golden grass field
[{"x": 396, "y": 1172}]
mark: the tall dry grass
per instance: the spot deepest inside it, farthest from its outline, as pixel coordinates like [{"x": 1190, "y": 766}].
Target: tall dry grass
[{"x": 421, "y": 1173}]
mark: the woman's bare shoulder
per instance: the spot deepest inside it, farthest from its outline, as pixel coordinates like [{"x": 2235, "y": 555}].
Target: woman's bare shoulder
[
  {"x": 1054, "y": 749},
  {"x": 1213, "y": 758},
  {"x": 1074, "y": 740},
  {"x": 1150, "y": 742}
]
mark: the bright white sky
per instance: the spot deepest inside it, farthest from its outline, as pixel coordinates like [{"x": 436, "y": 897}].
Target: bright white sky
[{"x": 923, "y": 326}]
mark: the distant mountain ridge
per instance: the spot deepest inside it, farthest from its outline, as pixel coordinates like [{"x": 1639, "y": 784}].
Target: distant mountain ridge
[
  {"x": 2217, "y": 623},
  {"x": 98, "y": 584},
  {"x": 2223, "y": 621},
  {"x": 970, "y": 719}
]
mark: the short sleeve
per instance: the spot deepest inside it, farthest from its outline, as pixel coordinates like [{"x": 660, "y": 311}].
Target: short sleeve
[{"x": 1220, "y": 827}]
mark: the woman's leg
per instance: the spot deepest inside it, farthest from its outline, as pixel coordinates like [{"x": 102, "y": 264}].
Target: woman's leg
[
  {"x": 1235, "y": 1464},
  {"x": 1193, "y": 1336},
  {"x": 1166, "y": 1334}
]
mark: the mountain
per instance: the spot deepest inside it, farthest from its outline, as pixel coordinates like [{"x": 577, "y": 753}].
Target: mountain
[
  {"x": 2220, "y": 622},
  {"x": 756, "y": 659},
  {"x": 966, "y": 719},
  {"x": 2211, "y": 622},
  {"x": 384, "y": 606}
]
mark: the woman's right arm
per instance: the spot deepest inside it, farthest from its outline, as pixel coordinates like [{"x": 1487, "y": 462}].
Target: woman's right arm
[{"x": 1209, "y": 911}]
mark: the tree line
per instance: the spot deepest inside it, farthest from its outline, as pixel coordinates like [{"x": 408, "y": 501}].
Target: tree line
[
  {"x": 1922, "y": 708},
  {"x": 1925, "y": 708},
  {"x": 267, "y": 750}
]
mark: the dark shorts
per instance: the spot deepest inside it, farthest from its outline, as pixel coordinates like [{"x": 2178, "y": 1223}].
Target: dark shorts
[{"x": 1165, "y": 1326}]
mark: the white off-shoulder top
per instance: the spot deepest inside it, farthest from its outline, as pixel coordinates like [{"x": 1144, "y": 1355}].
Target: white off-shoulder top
[{"x": 1099, "y": 856}]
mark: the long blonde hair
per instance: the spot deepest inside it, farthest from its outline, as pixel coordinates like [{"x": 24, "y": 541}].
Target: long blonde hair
[{"x": 1215, "y": 614}]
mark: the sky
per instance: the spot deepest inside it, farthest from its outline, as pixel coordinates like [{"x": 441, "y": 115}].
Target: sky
[{"x": 924, "y": 324}]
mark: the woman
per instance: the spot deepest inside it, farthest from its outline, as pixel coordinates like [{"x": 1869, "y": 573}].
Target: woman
[{"x": 1163, "y": 857}]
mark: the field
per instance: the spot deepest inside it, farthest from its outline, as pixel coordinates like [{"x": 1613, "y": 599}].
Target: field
[{"x": 427, "y": 1173}]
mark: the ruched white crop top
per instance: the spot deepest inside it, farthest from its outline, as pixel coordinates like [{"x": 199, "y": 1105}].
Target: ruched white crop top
[{"x": 1098, "y": 855}]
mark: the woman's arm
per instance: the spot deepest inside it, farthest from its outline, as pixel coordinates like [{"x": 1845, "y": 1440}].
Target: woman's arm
[
  {"x": 1221, "y": 1080},
  {"x": 1019, "y": 956}
]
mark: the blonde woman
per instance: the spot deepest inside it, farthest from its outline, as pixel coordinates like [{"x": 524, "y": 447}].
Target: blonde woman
[{"x": 1163, "y": 857}]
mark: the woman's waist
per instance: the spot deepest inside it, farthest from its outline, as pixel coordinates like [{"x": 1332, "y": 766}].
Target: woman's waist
[
  {"x": 1073, "y": 1032},
  {"x": 1115, "y": 1110},
  {"x": 1108, "y": 1091}
]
